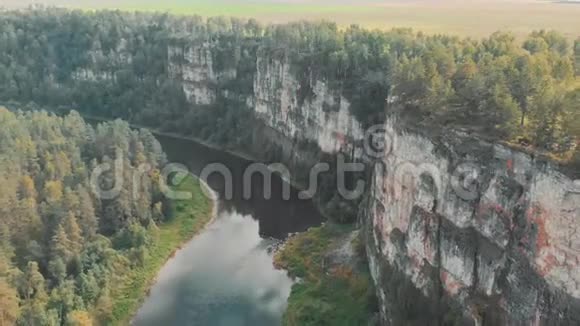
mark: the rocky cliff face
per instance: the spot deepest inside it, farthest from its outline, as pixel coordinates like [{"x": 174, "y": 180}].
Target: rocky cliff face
[
  {"x": 491, "y": 228},
  {"x": 100, "y": 63},
  {"x": 194, "y": 69},
  {"x": 323, "y": 117},
  {"x": 483, "y": 234},
  {"x": 487, "y": 235}
]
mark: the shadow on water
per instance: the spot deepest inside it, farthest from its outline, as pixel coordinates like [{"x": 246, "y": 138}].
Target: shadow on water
[
  {"x": 225, "y": 275},
  {"x": 277, "y": 217}
]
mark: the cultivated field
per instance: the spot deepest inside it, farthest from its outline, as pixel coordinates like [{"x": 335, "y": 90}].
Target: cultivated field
[{"x": 476, "y": 18}]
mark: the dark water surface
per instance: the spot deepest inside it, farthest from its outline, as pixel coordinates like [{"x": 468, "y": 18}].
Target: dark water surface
[{"x": 224, "y": 276}]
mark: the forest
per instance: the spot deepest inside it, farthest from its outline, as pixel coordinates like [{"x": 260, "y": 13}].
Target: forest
[
  {"x": 518, "y": 91},
  {"x": 63, "y": 250},
  {"x": 115, "y": 64}
]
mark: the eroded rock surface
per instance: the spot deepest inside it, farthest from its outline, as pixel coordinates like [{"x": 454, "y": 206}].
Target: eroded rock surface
[
  {"x": 502, "y": 250},
  {"x": 491, "y": 228}
]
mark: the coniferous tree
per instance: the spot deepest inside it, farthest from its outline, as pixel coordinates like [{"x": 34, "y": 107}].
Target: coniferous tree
[{"x": 53, "y": 258}]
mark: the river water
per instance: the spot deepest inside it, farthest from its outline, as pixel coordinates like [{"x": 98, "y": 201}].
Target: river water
[{"x": 224, "y": 276}]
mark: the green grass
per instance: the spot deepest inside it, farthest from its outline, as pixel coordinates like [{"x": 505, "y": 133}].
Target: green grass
[
  {"x": 190, "y": 217},
  {"x": 325, "y": 295},
  {"x": 477, "y": 18},
  {"x": 223, "y": 7},
  {"x": 245, "y": 10}
]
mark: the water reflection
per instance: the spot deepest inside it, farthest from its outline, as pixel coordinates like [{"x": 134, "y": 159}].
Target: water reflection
[
  {"x": 222, "y": 277},
  {"x": 225, "y": 275},
  {"x": 277, "y": 217}
]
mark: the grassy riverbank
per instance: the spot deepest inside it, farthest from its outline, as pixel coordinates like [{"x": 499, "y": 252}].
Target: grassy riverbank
[
  {"x": 189, "y": 218},
  {"x": 334, "y": 286}
]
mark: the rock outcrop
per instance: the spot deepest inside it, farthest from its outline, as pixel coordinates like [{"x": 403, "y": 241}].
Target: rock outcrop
[
  {"x": 492, "y": 228},
  {"x": 195, "y": 72},
  {"x": 480, "y": 231},
  {"x": 323, "y": 117},
  {"x": 484, "y": 233}
]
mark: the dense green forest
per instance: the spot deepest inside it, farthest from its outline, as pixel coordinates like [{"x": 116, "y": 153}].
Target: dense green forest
[
  {"x": 63, "y": 250},
  {"x": 521, "y": 91}
]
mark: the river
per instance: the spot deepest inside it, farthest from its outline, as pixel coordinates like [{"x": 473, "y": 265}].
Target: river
[{"x": 224, "y": 276}]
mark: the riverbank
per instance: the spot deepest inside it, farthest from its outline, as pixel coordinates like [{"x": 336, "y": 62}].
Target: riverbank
[
  {"x": 242, "y": 154},
  {"x": 333, "y": 285},
  {"x": 11, "y": 105},
  {"x": 189, "y": 218}
]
